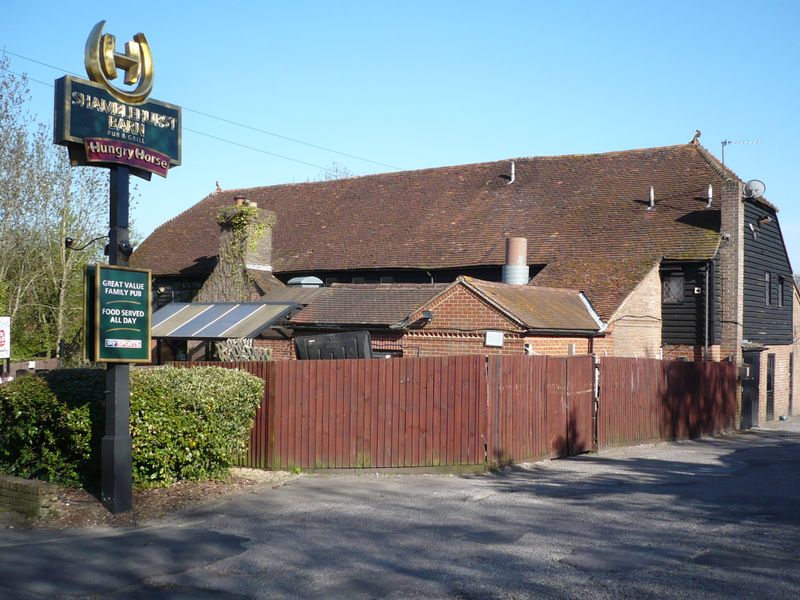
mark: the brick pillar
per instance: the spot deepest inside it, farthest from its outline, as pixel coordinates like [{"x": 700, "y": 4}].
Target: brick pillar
[{"x": 731, "y": 276}]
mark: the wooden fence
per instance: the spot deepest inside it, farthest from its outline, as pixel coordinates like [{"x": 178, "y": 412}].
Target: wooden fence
[
  {"x": 645, "y": 400},
  {"x": 475, "y": 410}
]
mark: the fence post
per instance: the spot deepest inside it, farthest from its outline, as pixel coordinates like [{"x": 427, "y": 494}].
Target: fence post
[{"x": 595, "y": 403}]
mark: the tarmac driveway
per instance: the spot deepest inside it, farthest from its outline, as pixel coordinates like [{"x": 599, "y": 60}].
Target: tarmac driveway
[{"x": 717, "y": 518}]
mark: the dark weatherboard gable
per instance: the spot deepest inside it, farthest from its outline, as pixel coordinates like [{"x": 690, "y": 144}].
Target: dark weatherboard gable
[
  {"x": 767, "y": 314},
  {"x": 684, "y": 321}
]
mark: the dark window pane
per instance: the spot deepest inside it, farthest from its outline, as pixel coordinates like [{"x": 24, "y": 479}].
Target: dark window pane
[{"x": 767, "y": 289}]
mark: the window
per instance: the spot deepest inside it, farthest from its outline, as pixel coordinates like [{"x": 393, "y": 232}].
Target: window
[
  {"x": 767, "y": 290},
  {"x": 672, "y": 288},
  {"x": 781, "y": 285}
]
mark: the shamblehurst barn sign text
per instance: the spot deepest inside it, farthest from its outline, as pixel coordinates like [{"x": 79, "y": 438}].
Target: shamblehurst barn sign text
[{"x": 100, "y": 130}]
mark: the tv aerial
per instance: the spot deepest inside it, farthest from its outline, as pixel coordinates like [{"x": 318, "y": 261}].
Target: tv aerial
[
  {"x": 724, "y": 143},
  {"x": 754, "y": 188}
]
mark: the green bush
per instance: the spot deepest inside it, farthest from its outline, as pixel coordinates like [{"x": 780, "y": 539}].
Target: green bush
[
  {"x": 44, "y": 434},
  {"x": 185, "y": 423},
  {"x": 190, "y": 423}
]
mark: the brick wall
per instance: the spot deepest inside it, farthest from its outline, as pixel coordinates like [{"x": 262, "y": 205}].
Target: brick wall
[
  {"x": 559, "y": 346},
  {"x": 281, "y": 349},
  {"x": 31, "y": 498},
  {"x": 460, "y": 309},
  {"x": 678, "y": 351},
  {"x": 637, "y": 322},
  {"x": 423, "y": 343},
  {"x": 781, "y": 382},
  {"x": 460, "y": 320},
  {"x": 693, "y": 353},
  {"x": 604, "y": 346}
]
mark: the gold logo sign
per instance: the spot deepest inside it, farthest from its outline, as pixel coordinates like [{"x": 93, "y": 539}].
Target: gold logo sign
[{"x": 102, "y": 62}]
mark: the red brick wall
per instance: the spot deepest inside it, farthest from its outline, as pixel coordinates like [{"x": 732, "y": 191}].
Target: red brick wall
[
  {"x": 423, "y": 343},
  {"x": 461, "y": 310},
  {"x": 781, "y": 383},
  {"x": 604, "y": 346},
  {"x": 558, "y": 346},
  {"x": 281, "y": 349},
  {"x": 678, "y": 351}
]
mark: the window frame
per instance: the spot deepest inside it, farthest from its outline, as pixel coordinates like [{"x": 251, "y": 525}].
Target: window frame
[
  {"x": 767, "y": 288},
  {"x": 673, "y": 275}
]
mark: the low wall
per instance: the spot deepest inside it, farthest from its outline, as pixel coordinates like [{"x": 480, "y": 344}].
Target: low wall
[{"x": 31, "y": 498}]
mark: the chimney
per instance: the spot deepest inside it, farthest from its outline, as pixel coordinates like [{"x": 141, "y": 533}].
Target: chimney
[
  {"x": 245, "y": 246},
  {"x": 515, "y": 271}
]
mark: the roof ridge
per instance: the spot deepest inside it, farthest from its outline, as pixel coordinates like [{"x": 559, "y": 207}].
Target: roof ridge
[
  {"x": 523, "y": 286},
  {"x": 713, "y": 162},
  {"x": 459, "y": 166}
]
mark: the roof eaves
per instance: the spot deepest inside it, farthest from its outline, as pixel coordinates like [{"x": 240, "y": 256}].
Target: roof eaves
[{"x": 593, "y": 313}]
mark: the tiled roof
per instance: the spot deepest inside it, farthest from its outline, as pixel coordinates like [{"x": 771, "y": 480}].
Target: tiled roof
[
  {"x": 380, "y": 304},
  {"x": 292, "y": 293},
  {"x": 581, "y": 214},
  {"x": 539, "y": 307}
]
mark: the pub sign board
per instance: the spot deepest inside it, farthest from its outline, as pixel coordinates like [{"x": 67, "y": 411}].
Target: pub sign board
[
  {"x": 101, "y": 130},
  {"x": 117, "y": 314},
  {"x": 104, "y": 125}
]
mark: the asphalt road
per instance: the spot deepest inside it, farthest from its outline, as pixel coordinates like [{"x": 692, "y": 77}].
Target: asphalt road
[{"x": 716, "y": 518}]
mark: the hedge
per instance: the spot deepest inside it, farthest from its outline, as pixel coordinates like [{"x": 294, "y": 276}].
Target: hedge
[{"x": 185, "y": 423}]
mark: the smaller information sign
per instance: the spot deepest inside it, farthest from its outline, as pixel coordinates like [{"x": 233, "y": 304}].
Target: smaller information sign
[
  {"x": 5, "y": 337},
  {"x": 119, "y": 326}
]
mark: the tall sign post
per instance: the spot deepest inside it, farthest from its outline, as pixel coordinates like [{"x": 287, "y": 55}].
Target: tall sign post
[{"x": 121, "y": 129}]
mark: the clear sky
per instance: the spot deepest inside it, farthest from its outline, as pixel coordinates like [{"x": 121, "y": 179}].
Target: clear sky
[{"x": 417, "y": 84}]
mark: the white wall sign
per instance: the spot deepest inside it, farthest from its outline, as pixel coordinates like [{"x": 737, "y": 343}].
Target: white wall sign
[
  {"x": 494, "y": 339},
  {"x": 5, "y": 337}
]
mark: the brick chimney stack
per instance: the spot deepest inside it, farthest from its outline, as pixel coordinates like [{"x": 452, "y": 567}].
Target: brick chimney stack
[
  {"x": 245, "y": 245},
  {"x": 731, "y": 266}
]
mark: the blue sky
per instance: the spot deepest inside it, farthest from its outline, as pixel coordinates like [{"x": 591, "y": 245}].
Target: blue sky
[{"x": 418, "y": 84}]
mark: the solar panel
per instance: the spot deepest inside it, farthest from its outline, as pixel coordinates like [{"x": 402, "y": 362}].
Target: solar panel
[
  {"x": 168, "y": 311},
  {"x": 217, "y": 320},
  {"x": 194, "y": 327}
]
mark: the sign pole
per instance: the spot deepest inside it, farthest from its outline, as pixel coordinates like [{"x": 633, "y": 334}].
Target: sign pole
[
  {"x": 117, "y": 464},
  {"x": 124, "y": 130}
]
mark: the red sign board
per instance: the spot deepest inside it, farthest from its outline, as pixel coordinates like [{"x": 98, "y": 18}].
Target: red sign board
[{"x": 104, "y": 150}]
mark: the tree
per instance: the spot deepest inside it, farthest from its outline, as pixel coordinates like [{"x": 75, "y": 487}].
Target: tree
[
  {"x": 43, "y": 200},
  {"x": 335, "y": 171}
]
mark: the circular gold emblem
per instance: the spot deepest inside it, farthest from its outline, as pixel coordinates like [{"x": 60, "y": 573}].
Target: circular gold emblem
[{"x": 102, "y": 61}]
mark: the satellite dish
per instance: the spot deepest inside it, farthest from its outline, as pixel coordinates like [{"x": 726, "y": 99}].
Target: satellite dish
[{"x": 754, "y": 189}]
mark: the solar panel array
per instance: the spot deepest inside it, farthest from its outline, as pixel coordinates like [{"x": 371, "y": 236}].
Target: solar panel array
[{"x": 218, "y": 320}]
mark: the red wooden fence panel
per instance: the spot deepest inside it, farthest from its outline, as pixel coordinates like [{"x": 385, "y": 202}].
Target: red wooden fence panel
[
  {"x": 645, "y": 400},
  {"x": 539, "y": 407},
  {"x": 373, "y": 413},
  {"x": 468, "y": 410}
]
